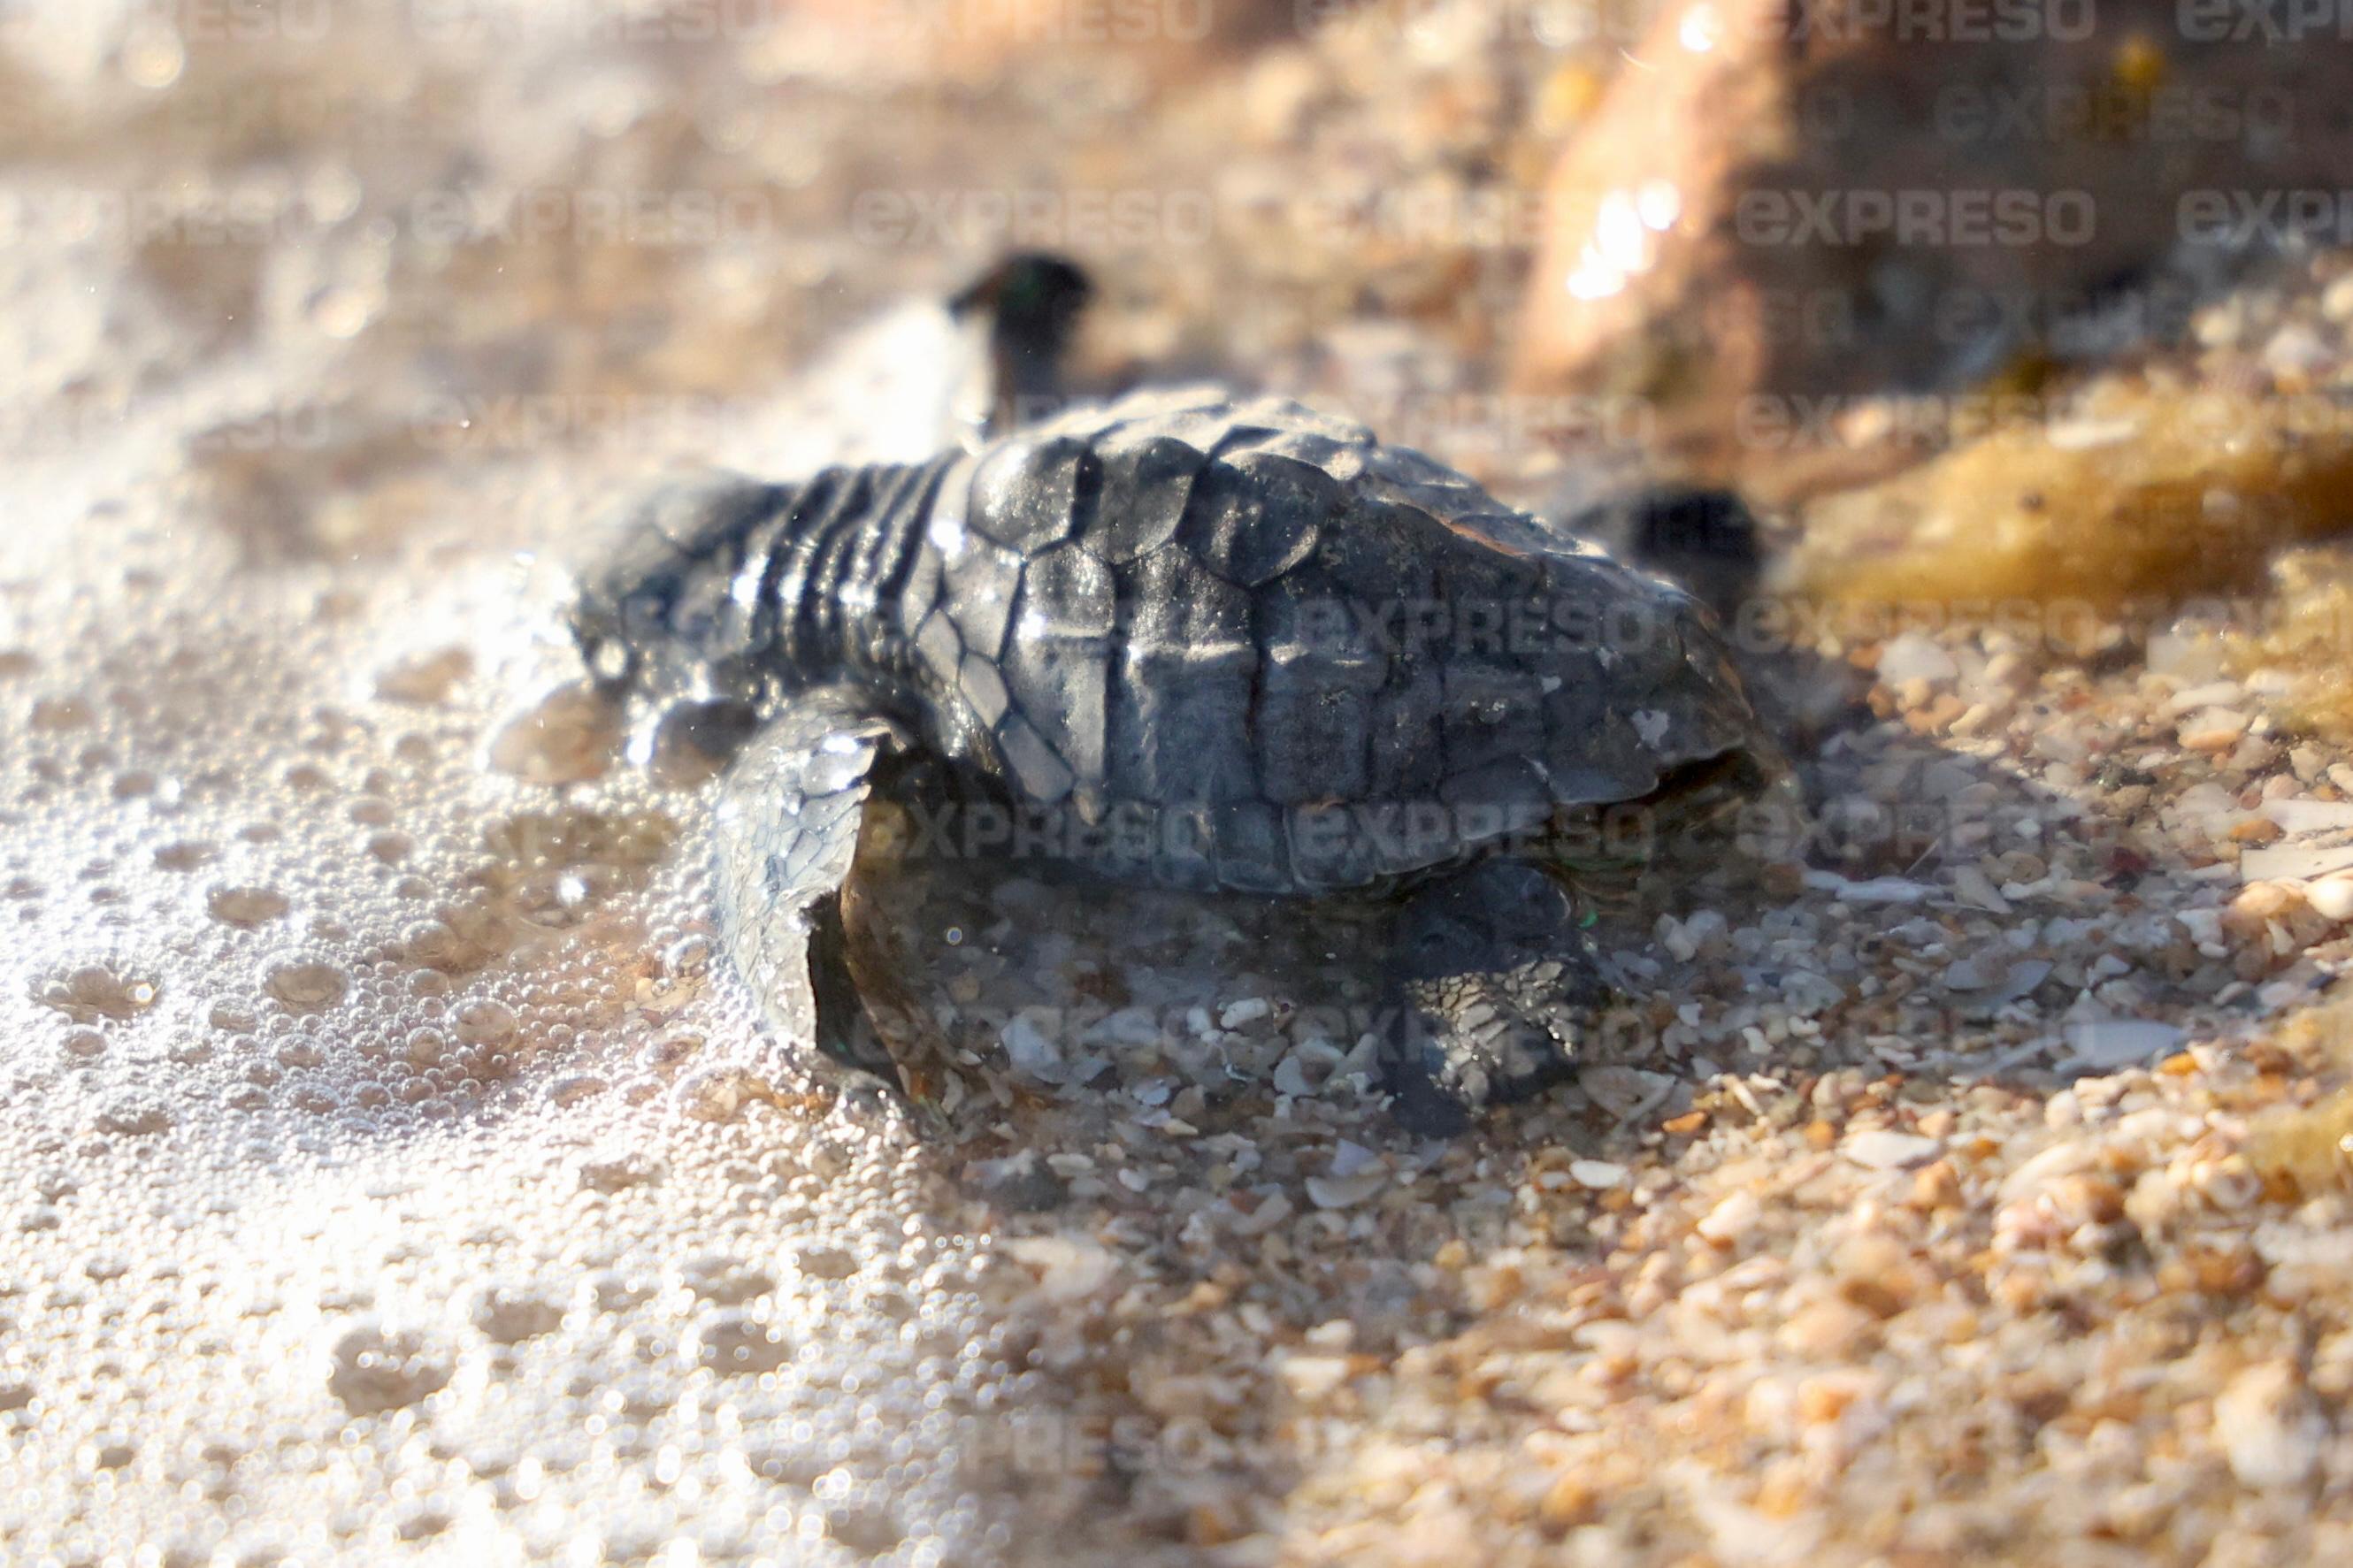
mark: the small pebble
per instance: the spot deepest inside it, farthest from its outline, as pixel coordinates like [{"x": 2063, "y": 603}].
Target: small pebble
[
  {"x": 2213, "y": 728},
  {"x": 1732, "y": 1218},
  {"x": 1598, "y": 1174},
  {"x": 1915, "y": 656},
  {"x": 1028, "y": 1046},
  {"x": 1880, "y": 1150},
  {"x": 2269, "y": 1429},
  {"x": 1249, "y": 1010},
  {"x": 2331, "y": 898},
  {"x": 1345, "y": 1191},
  {"x": 2109, "y": 1044},
  {"x": 1312, "y": 1377}
]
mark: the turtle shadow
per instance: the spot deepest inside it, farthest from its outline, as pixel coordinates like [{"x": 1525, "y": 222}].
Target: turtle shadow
[
  {"x": 1904, "y": 864},
  {"x": 1951, "y": 879},
  {"x": 1194, "y": 1123}
]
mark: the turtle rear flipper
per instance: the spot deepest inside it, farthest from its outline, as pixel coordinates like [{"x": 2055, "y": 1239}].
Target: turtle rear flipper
[{"x": 786, "y": 841}]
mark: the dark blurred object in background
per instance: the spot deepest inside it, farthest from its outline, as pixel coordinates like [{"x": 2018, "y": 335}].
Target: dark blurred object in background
[{"x": 1704, "y": 538}]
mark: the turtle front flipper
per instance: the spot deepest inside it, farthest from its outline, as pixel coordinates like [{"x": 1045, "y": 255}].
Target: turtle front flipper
[
  {"x": 1492, "y": 980},
  {"x": 785, "y": 838}
]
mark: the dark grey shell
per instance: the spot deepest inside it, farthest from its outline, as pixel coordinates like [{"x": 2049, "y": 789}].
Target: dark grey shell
[{"x": 1295, "y": 659}]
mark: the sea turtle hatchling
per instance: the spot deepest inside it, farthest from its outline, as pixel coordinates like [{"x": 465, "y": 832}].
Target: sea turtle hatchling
[{"x": 1205, "y": 642}]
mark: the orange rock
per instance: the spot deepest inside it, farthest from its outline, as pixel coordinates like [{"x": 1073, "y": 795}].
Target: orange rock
[
  {"x": 1777, "y": 212},
  {"x": 1568, "y": 1503},
  {"x": 1936, "y": 1186},
  {"x": 1821, "y": 1400},
  {"x": 1215, "y": 1524},
  {"x": 1635, "y": 204}
]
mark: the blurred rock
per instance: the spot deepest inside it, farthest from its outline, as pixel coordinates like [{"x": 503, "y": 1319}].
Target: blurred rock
[
  {"x": 1638, "y": 211},
  {"x": 1775, "y": 207}
]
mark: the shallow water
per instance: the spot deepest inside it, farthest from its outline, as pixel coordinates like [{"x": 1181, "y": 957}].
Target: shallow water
[{"x": 383, "y": 1177}]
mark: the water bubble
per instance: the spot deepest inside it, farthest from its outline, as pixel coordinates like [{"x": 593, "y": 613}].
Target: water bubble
[
  {"x": 486, "y": 1022},
  {"x": 372, "y": 1370},
  {"x": 152, "y": 54},
  {"x": 689, "y": 958},
  {"x": 306, "y": 985},
  {"x": 508, "y": 1315},
  {"x": 571, "y": 735},
  {"x": 60, "y": 715},
  {"x": 424, "y": 680},
  {"x": 93, "y": 991},
  {"x": 134, "y": 1118},
  {"x": 572, "y": 1090},
  {"x": 244, "y": 906}
]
